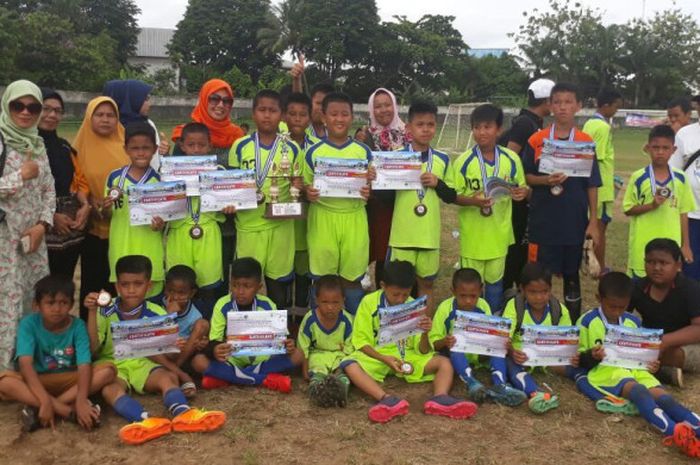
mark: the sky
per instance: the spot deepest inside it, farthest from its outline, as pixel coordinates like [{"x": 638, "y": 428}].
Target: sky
[{"x": 481, "y": 27}]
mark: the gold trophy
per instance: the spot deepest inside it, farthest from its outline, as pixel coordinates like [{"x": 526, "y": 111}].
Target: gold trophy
[{"x": 285, "y": 169}]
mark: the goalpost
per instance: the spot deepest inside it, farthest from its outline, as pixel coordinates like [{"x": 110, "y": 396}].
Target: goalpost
[{"x": 455, "y": 134}]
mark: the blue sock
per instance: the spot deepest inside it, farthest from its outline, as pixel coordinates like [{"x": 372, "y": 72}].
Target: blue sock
[
  {"x": 461, "y": 367},
  {"x": 130, "y": 409},
  {"x": 586, "y": 388},
  {"x": 175, "y": 401},
  {"x": 499, "y": 370},
  {"x": 650, "y": 411},
  {"x": 275, "y": 364},
  {"x": 520, "y": 378},
  {"x": 677, "y": 411},
  {"x": 353, "y": 296},
  {"x": 493, "y": 293},
  {"x": 232, "y": 374}
]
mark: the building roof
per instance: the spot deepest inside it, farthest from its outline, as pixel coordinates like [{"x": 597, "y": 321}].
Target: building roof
[{"x": 153, "y": 42}]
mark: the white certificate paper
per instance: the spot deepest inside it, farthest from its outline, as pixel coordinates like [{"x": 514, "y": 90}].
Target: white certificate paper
[
  {"x": 145, "y": 337},
  {"x": 186, "y": 168},
  {"x": 574, "y": 159},
  {"x": 256, "y": 333},
  {"x": 340, "y": 177},
  {"x": 400, "y": 321},
  {"x": 167, "y": 200},
  {"x": 549, "y": 345},
  {"x": 480, "y": 334},
  {"x": 631, "y": 348},
  {"x": 397, "y": 170},
  {"x": 220, "y": 189}
]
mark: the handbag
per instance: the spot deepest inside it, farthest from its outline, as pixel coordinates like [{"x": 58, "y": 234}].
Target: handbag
[{"x": 69, "y": 206}]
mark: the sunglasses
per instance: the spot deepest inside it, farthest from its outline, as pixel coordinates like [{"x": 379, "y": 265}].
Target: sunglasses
[
  {"x": 18, "y": 107},
  {"x": 217, "y": 99}
]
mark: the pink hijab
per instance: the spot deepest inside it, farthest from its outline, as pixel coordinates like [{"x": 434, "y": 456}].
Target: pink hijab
[{"x": 393, "y": 136}]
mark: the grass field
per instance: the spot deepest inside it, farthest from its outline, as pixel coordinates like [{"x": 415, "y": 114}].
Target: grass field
[{"x": 270, "y": 428}]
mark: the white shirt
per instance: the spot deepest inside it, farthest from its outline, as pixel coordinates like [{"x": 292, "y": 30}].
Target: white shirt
[{"x": 687, "y": 143}]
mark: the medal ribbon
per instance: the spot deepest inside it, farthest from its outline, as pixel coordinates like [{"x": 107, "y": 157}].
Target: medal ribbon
[
  {"x": 428, "y": 169},
  {"x": 115, "y": 308},
  {"x": 234, "y": 305},
  {"x": 190, "y": 207},
  {"x": 401, "y": 343},
  {"x": 600, "y": 117},
  {"x": 482, "y": 165},
  {"x": 572, "y": 133},
  {"x": 125, "y": 170},
  {"x": 261, "y": 175},
  {"x": 605, "y": 320},
  {"x": 652, "y": 179}
]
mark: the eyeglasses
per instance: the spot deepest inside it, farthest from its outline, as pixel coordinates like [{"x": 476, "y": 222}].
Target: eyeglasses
[
  {"x": 216, "y": 99},
  {"x": 48, "y": 110},
  {"x": 18, "y": 107}
]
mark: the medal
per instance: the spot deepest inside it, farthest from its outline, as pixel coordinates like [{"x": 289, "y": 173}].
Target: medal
[
  {"x": 196, "y": 231},
  {"x": 663, "y": 191},
  {"x": 420, "y": 210},
  {"x": 104, "y": 299},
  {"x": 486, "y": 211},
  {"x": 406, "y": 367},
  {"x": 115, "y": 193},
  {"x": 260, "y": 197},
  {"x": 261, "y": 172},
  {"x": 556, "y": 189}
]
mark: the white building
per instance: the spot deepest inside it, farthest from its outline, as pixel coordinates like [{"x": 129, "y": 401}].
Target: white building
[{"x": 152, "y": 51}]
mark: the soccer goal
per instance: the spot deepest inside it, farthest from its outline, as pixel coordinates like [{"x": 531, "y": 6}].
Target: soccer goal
[{"x": 455, "y": 134}]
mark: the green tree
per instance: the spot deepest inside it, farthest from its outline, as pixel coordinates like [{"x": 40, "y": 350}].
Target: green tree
[
  {"x": 9, "y": 46},
  {"x": 499, "y": 79},
  {"x": 280, "y": 33}
]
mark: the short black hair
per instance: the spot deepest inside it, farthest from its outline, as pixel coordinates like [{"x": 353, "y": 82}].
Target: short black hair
[
  {"x": 487, "y": 113},
  {"x": 182, "y": 273},
  {"x": 139, "y": 128},
  {"x": 267, "y": 93},
  {"x": 246, "y": 267},
  {"x": 323, "y": 87},
  {"x": 329, "y": 283},
  {"x": 615, "y": 284},
  {"x": 195, "y": 128},
  {"x": 607, "y": 97},
  {"x": 682, "y": 102},
  {"x": 466, "y": 276},
  {"x": 336, "y": 97},
  {"x": 422, "y": 108},
  {"x": 134, "y": 264},
  {"x": 297, "y": 97},
  {"x": 53, "y": 285},
  {"x": 663, "y": 131},
  {"x": 400, "y": 274},
  {"x": 533, "y": 102},
  {"x": 535, "y": 272},
  {"x": 566, "y": 87},
  {"x": 664, "y": 245}
]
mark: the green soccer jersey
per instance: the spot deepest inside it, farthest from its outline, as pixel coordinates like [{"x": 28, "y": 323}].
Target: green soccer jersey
[
  {"x": 663, "y": 221},
  {"x": 485, "y": 237},
  {"x": 409, "y": 230},
  {"x": 217, "y": 331},
  {"x": 445, "y": 316},
  {"x": 313, "y": 137},
  {"x": 601, "y": 133},
  {"x": 242, "y": 155},
  {"x": 350, "y": 150},
  {"x": 314, "y": 338},
  {"x": 593, "y": 327},
  {"x": 125, "y": 239},
  {"x": 205, "y": 218},
  {"x": 528, "y": 320}
]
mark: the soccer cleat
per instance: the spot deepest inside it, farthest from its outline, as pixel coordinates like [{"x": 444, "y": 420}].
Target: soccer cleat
[
  {"x": 387, "y": 409},
  {"x": 610, "y": 404},
  {"x": 145, "y": 430},
  {"x": 209, "y": 382},
  {"x": 476, "y": 391},
  {"x": 684, "y": 438},
  {"x": 195, "y": 420},
  {"x": 451, "y": 407},
  {"x": 506, "y": 395},
  {"x": 541, "y": 402},
  {"x": 30, "y": 419},
  {"x": 277, "y": 382}
]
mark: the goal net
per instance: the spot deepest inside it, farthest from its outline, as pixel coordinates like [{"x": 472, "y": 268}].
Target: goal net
[{"x": 455, "y": 134}]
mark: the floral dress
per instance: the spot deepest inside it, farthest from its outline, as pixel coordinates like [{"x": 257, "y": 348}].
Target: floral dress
[{"x": 25, "y": 203}]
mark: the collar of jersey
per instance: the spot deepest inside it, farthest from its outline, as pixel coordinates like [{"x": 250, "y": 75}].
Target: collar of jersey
[
  {"x": 335, "y": 326},
  {"x": 544, "y": 316},
  {"x": 342, "y": 146},
  {"x": 266, "y": 147}
]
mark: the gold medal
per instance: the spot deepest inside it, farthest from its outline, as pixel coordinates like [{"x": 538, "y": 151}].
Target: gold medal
[{"x": 420, "y": 210}]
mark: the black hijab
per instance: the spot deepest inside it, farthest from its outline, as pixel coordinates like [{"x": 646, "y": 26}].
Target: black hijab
[{"x": 59, "y": 151}]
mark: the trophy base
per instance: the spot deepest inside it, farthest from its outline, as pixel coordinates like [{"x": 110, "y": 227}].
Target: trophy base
[{"x": 285, "y": 211}]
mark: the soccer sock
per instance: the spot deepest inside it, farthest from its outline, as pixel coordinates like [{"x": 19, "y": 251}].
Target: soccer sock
[
  {"x": 521, "y": 379},
  {"x": 232, "y": 374},
  {"x": 650, "y": 410},
  {"x": 586, "y": 388},
  {"x": 175, "y": 402},
  {"x": 130, "y": 409},
  {"x": 677, "y": 411},
  {"x": 280, "y": 292},
  {"x": 498, "y": 370},
  {"x": 493, "y": 294},
  {"x": 353, "y": 296},
  {"x": 275, "y": 364},
  {"x": 461, "y": 367},
  {"x": 572, "y": 295}
]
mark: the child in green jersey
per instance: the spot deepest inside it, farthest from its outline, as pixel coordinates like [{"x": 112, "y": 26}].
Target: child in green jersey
[
  {"x": 412, "y": 360},
  {"x": 658, "y": 198},
  {"x": 156, "y": 374},
  {"x": 677, "y": 423},
  {"x": 325, "y": 339},
  {"x": 485, "y": 225}
]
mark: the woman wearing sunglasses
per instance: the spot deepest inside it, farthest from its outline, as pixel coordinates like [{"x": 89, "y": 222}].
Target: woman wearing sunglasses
[{"x": 27, "y": 201}]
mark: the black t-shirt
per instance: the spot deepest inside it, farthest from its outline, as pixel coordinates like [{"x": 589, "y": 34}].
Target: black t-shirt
[
  {"x": 682, "y": 303},
  {"x": 524, "y": 125}
]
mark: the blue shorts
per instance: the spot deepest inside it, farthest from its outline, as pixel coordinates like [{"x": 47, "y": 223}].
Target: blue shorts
[{"x": 559, "y": 259}]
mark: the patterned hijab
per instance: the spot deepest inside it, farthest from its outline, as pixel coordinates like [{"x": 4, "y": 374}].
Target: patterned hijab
[
  {"x": 18, "y": 138},
  {"x": 391, "y": 137}
]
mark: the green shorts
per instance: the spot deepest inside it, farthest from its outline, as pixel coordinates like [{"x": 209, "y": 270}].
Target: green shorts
[
  {"x": 301, "y": 262},
  {"x": 202, "y": 255},
  {"x": 300, "y": 235},
  {"x": 612, "y": 379},
  {"x": 491, "y": 271},
  {"x": 271, "y": 247},
  {"x": 380, "y": 370},
  {"x": 324, "y": 362},
  {"x": 338, "y": 243},
  {"x": 425, "y": 261},
  {"x": 135, "y": 372}
]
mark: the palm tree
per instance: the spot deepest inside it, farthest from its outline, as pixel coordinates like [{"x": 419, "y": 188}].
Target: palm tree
[{"x": 280, "y": 34}]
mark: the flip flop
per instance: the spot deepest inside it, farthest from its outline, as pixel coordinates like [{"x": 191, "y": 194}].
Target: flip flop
[{"x": 189, "y": 389}]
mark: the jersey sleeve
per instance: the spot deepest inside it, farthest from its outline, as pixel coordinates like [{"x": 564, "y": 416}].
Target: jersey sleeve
[
  {"x": 519, "y": 172},
  {"x": 510, "y": 313},
  {"x": 307, "y": 166},
  {"x": 303, "y": 338},
  {"x": 217, "y": 331},
  {"x": 584, "y": 343},
  {"x": 82, "y": 343},
  {"x": 363, "y": 331},
  {"x": 565, "y": 319},
  {"x": 631, "y": 198},
  {"x": 103, "y": 334},
  {"x": 26, "y": 343},
  {"x": 348, "y": 347},
  {"x": 233, "y": 160},
  {"x": 439, "y": 329},
  {"x": 454, "y": 178}
]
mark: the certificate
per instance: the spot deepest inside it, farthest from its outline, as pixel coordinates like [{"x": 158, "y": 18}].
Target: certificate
[
  {"x": 256, "y": 333},
  {"x": 632, "y": 348},
  {"x": 549, "y": 345},
  {"x": 167, "y": 200},
  {"x": 398, "y": 171},
  {"x": 574, "y": 159},
  {"x": 145, "y": 337},
  {"x": 186, "y": 168},
  {"x": 220, "y": 189},
  {"x": 340, "y": 177},
  {"x": 400, "y": 321},
  {"x": 496, "y": 188},
  {"x": 480, "y": 334}
]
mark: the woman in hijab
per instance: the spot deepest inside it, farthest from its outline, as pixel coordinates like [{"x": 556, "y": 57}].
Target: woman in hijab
[
  {"x": 386, "y": 132},
  {"x": 72, "y": 206},
  {"x": 28, "y": 201},
  {"x": 100, "y": 147}
]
